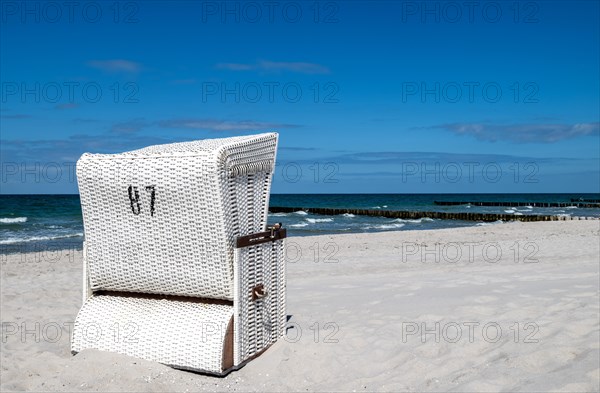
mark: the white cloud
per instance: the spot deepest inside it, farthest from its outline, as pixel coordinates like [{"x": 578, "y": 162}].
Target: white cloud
[
  {"x": 222, "y": 125},
  {"x": 522, "y": 133},
  {"x": 275, "y": 66},
  {"x": 115, "y": 65}
]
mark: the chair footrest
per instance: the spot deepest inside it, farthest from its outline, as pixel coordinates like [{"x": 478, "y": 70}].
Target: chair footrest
[{"x": 183, "y": 333}]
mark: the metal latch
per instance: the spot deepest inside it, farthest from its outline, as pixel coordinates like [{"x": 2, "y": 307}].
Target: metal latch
[
  {"x": 273, "y": 233},
  {"x": 258, "y": 292}
]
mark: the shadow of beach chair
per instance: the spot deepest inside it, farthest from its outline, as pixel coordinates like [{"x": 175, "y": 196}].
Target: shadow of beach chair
[{"x": 179, "y": 264}]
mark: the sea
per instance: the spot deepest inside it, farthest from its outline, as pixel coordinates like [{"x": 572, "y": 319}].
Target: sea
[{"x": 52, "y": 222}]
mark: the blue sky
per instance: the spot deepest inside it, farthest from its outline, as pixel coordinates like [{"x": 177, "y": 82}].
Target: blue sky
[{"x": 389, "y": 96}]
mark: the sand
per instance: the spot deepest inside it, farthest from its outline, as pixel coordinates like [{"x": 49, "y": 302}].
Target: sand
[{"x": 370, "y": 312}]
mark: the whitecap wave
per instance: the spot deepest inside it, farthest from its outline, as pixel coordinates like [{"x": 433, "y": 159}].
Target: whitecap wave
[
  {"x": 482, "y": 224},
  {"x": 415, "y": 221},
  {"x": 299, "y": 225},
  {"x": 518, "y": 214},
  {"x": 13, "y": 220},
  {"x": 315, "y": 220},
  {"x": 301, "y": 212},
  {"x": 349, "y": 215},
  {"x": 509, "y": 211},
  {"x": 570, "y": 207},
  {"x": 279, "y": 214},
  {"x": 386, "y": 226},
  {"x": 14, "y": 240}
]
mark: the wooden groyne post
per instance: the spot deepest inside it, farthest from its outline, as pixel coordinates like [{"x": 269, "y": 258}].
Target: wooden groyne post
[
  {"x": 414, "y": 215},
  {"x": 532, "y": 204}
]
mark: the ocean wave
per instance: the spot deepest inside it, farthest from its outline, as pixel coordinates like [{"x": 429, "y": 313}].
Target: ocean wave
[
  {"x": 570, "y": 207},
  {"x": 509, "y": 211},
  {"x": 15, "y": 240},
  {"x": 415, "y": 221},
  {"x": 279, "y": 214},
  {"x": 299, "y": 225},
  {"x": 13, "y": 220},
  {"x": 386, "y": 226},
  {"x": 482, "y": 224},
  {"x": 315, "y": 220},
  {"x": 518, "y": 214},
  {"x": 349, "y": 215},
  {"x": 301, "y": 212}
]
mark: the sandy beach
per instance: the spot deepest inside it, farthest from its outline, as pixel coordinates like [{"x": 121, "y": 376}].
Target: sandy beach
[{"x": 505, "y": 307}]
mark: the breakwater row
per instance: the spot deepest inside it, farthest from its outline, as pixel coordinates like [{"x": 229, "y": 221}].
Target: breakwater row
[
  {"x": 586, "y": 200},
  {"x": 414, "y": 215},
  {"x": 511, "y": 204}
]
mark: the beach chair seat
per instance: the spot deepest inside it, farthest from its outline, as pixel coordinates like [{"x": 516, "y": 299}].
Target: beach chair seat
[{"x": 180, "y": 266}]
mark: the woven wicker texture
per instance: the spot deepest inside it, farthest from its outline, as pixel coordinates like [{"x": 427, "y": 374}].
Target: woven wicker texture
[
  {"x": 163, "y": 219},
  {"x": 260, "y": 322},
  {"x": 183, "y": 334}
]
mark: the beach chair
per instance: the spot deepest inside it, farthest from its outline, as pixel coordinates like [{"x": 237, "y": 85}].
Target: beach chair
[{"x": 180, "y": 266}]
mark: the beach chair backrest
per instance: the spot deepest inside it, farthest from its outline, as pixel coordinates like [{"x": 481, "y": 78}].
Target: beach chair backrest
[{"x": 164, "y": 219}]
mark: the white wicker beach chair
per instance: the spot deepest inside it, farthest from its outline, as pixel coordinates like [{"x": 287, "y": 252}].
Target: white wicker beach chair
[{"x": 179, "y": 264}]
